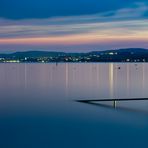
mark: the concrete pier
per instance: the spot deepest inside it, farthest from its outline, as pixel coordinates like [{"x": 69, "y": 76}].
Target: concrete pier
[
  {"x": 114, "y": 104},
  {"x": 114, "y": 100}
]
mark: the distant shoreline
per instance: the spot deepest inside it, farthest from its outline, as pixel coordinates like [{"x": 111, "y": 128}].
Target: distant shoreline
[
  {"x": 129, "y": 55},
  {"x": 69, "y": 62}
]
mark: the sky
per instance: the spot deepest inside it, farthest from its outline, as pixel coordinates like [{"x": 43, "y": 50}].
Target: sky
[{"x": 73, "y": 25}]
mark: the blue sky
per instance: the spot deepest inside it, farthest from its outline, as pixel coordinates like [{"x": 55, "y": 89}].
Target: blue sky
[
  {"x": 78, "y": 25},
  {"x": 20, "y": 9}
]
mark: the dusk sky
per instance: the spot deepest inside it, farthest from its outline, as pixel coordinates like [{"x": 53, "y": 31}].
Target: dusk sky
[{"x": 73, "y": 26}]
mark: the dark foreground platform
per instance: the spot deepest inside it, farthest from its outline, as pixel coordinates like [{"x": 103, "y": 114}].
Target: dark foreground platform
[
  {"x": 111, "y": 100},
  {"x": 103, "y": 100}
]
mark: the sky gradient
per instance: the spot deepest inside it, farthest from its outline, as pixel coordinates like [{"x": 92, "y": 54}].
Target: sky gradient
[{"x": 80, "y": 25}]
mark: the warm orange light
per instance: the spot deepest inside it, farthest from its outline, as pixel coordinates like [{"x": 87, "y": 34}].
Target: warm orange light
[{"x": 75, "y": 39}]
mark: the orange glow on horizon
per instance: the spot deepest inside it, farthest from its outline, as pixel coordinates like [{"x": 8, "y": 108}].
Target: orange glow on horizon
[{"x": 73, "y": 39}]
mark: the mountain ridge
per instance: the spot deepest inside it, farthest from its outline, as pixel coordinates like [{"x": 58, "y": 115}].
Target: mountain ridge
[
  {"x": 40, "y": 53},
  {"x": 118, "y": 55}
]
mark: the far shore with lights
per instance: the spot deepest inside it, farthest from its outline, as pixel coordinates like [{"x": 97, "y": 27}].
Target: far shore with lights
[{"x": 116, "y": 55}]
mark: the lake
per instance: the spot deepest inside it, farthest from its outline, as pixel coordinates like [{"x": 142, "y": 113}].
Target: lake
[{"x": 39, "y": 108}]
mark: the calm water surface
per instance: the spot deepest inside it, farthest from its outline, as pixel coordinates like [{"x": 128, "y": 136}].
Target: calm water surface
[{"x": 38, "y": 107}]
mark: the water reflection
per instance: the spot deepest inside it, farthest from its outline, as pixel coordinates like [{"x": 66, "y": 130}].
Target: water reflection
[
  {"x": 98, "y": 80},
  {"x": 38, "y": 107},
  {"x": 113, "y": 105},
  {"x": 73, "y": 81},
  {"x": 111, "y": 79}
]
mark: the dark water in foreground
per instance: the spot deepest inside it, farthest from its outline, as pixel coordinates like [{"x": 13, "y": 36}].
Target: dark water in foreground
[{"x": 38, "y": 107}]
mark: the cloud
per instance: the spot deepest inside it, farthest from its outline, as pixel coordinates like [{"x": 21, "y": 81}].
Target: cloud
[
  {"x": 121, "y": 25},
  {"x": 130, "y": 18},
  {"x": 25, "y": 9},
  {"x": 135, "y": 11}
]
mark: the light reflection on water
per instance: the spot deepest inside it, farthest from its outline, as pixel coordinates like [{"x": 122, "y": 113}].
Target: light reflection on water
[{"x": 38, "y": 105}]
